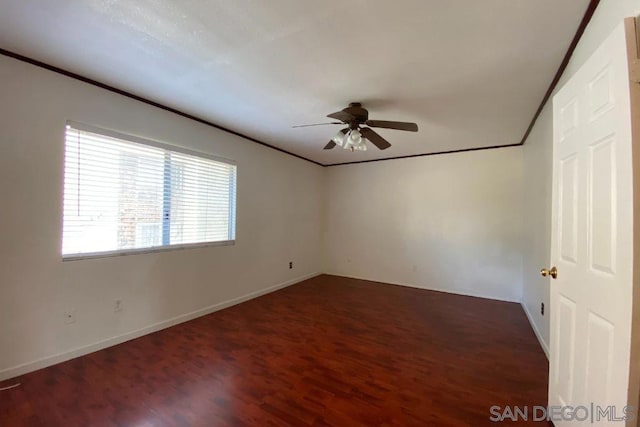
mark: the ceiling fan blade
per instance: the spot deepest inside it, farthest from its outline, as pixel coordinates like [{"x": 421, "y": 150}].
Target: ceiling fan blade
[
  {"x": 329, "y": 146},
  {"x": 411, "y": 127},
  {"x": 343, "y": 116},
  {"x": 317, "y": 124},
  {"x": 375, "y": 139}
]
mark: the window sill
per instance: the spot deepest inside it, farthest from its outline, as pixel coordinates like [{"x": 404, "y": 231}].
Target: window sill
[{"x": 151, "y": 250}]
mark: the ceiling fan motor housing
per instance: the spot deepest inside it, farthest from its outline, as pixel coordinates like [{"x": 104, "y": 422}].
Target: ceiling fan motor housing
[{"x": 360, "y": 114}]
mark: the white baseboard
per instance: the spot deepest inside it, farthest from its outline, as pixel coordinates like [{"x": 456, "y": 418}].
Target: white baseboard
[
  {"x": 448, "y": 291},
  {"x": 81, "y": 351},
  {"x": 543, "y": 344}
]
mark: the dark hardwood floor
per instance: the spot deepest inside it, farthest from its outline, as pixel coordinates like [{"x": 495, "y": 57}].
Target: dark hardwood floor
[{"x": 328, "y": 351}]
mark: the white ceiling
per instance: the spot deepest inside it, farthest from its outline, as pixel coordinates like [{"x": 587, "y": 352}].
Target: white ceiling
[{"x": 471, "y": 73}]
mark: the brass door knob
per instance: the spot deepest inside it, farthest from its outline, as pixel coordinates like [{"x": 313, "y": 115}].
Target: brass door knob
[{"x": 553, "y": 272}]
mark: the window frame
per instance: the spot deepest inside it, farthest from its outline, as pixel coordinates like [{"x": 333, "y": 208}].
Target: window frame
[{"x": 163, "y": 146}]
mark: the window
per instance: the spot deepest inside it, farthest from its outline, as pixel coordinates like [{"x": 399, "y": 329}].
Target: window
[{"x": 124, "y": 194}]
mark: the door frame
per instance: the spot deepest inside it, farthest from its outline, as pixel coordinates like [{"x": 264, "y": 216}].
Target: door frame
[{"x": 632, "y": 31}]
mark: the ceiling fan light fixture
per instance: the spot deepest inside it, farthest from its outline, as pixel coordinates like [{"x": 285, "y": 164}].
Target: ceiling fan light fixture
[
  {"x": 347, "y": 142},
  {"x": 340, "y": 139},
  {"x": 355, "y": 137}
]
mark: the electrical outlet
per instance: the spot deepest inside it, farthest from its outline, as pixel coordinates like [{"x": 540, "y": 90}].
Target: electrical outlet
[
  {"x": 290, "y": 265},
  {"x": 542, "y": 308},
  {"x": 70, "y": 316},
  {"x": 117, "y": 305},
  {"x": 414, "y": 268}
]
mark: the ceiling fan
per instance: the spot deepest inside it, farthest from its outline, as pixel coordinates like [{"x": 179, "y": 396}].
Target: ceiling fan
[{"x": 352, "y": 137}]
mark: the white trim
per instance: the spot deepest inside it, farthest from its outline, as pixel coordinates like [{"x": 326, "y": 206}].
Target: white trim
[
  {"x": 139, "y": 251},
  {"x": 81, "y": 351},
  {"x": 448, "y": 291},
  {"x": 543, "y": 344}
]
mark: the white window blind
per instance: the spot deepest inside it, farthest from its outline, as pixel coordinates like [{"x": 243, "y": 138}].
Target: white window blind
[{"x": 124, "y": 194}]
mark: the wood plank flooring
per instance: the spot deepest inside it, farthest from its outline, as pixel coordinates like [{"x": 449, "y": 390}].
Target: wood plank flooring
[{"x": 329, "y": 351}]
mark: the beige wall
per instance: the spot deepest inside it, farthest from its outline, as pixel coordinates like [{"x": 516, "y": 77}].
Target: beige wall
[
  {"x": 278, "y": 220},
  {"x": 538, "y": 169},
  {"x": 450, "y": 222}
]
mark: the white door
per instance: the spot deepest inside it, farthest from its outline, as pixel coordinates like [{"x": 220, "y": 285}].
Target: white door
[{"x": 592, "y": 238}]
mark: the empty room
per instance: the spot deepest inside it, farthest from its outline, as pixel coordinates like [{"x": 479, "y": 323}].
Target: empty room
[{"x": 333, "y": 213}]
